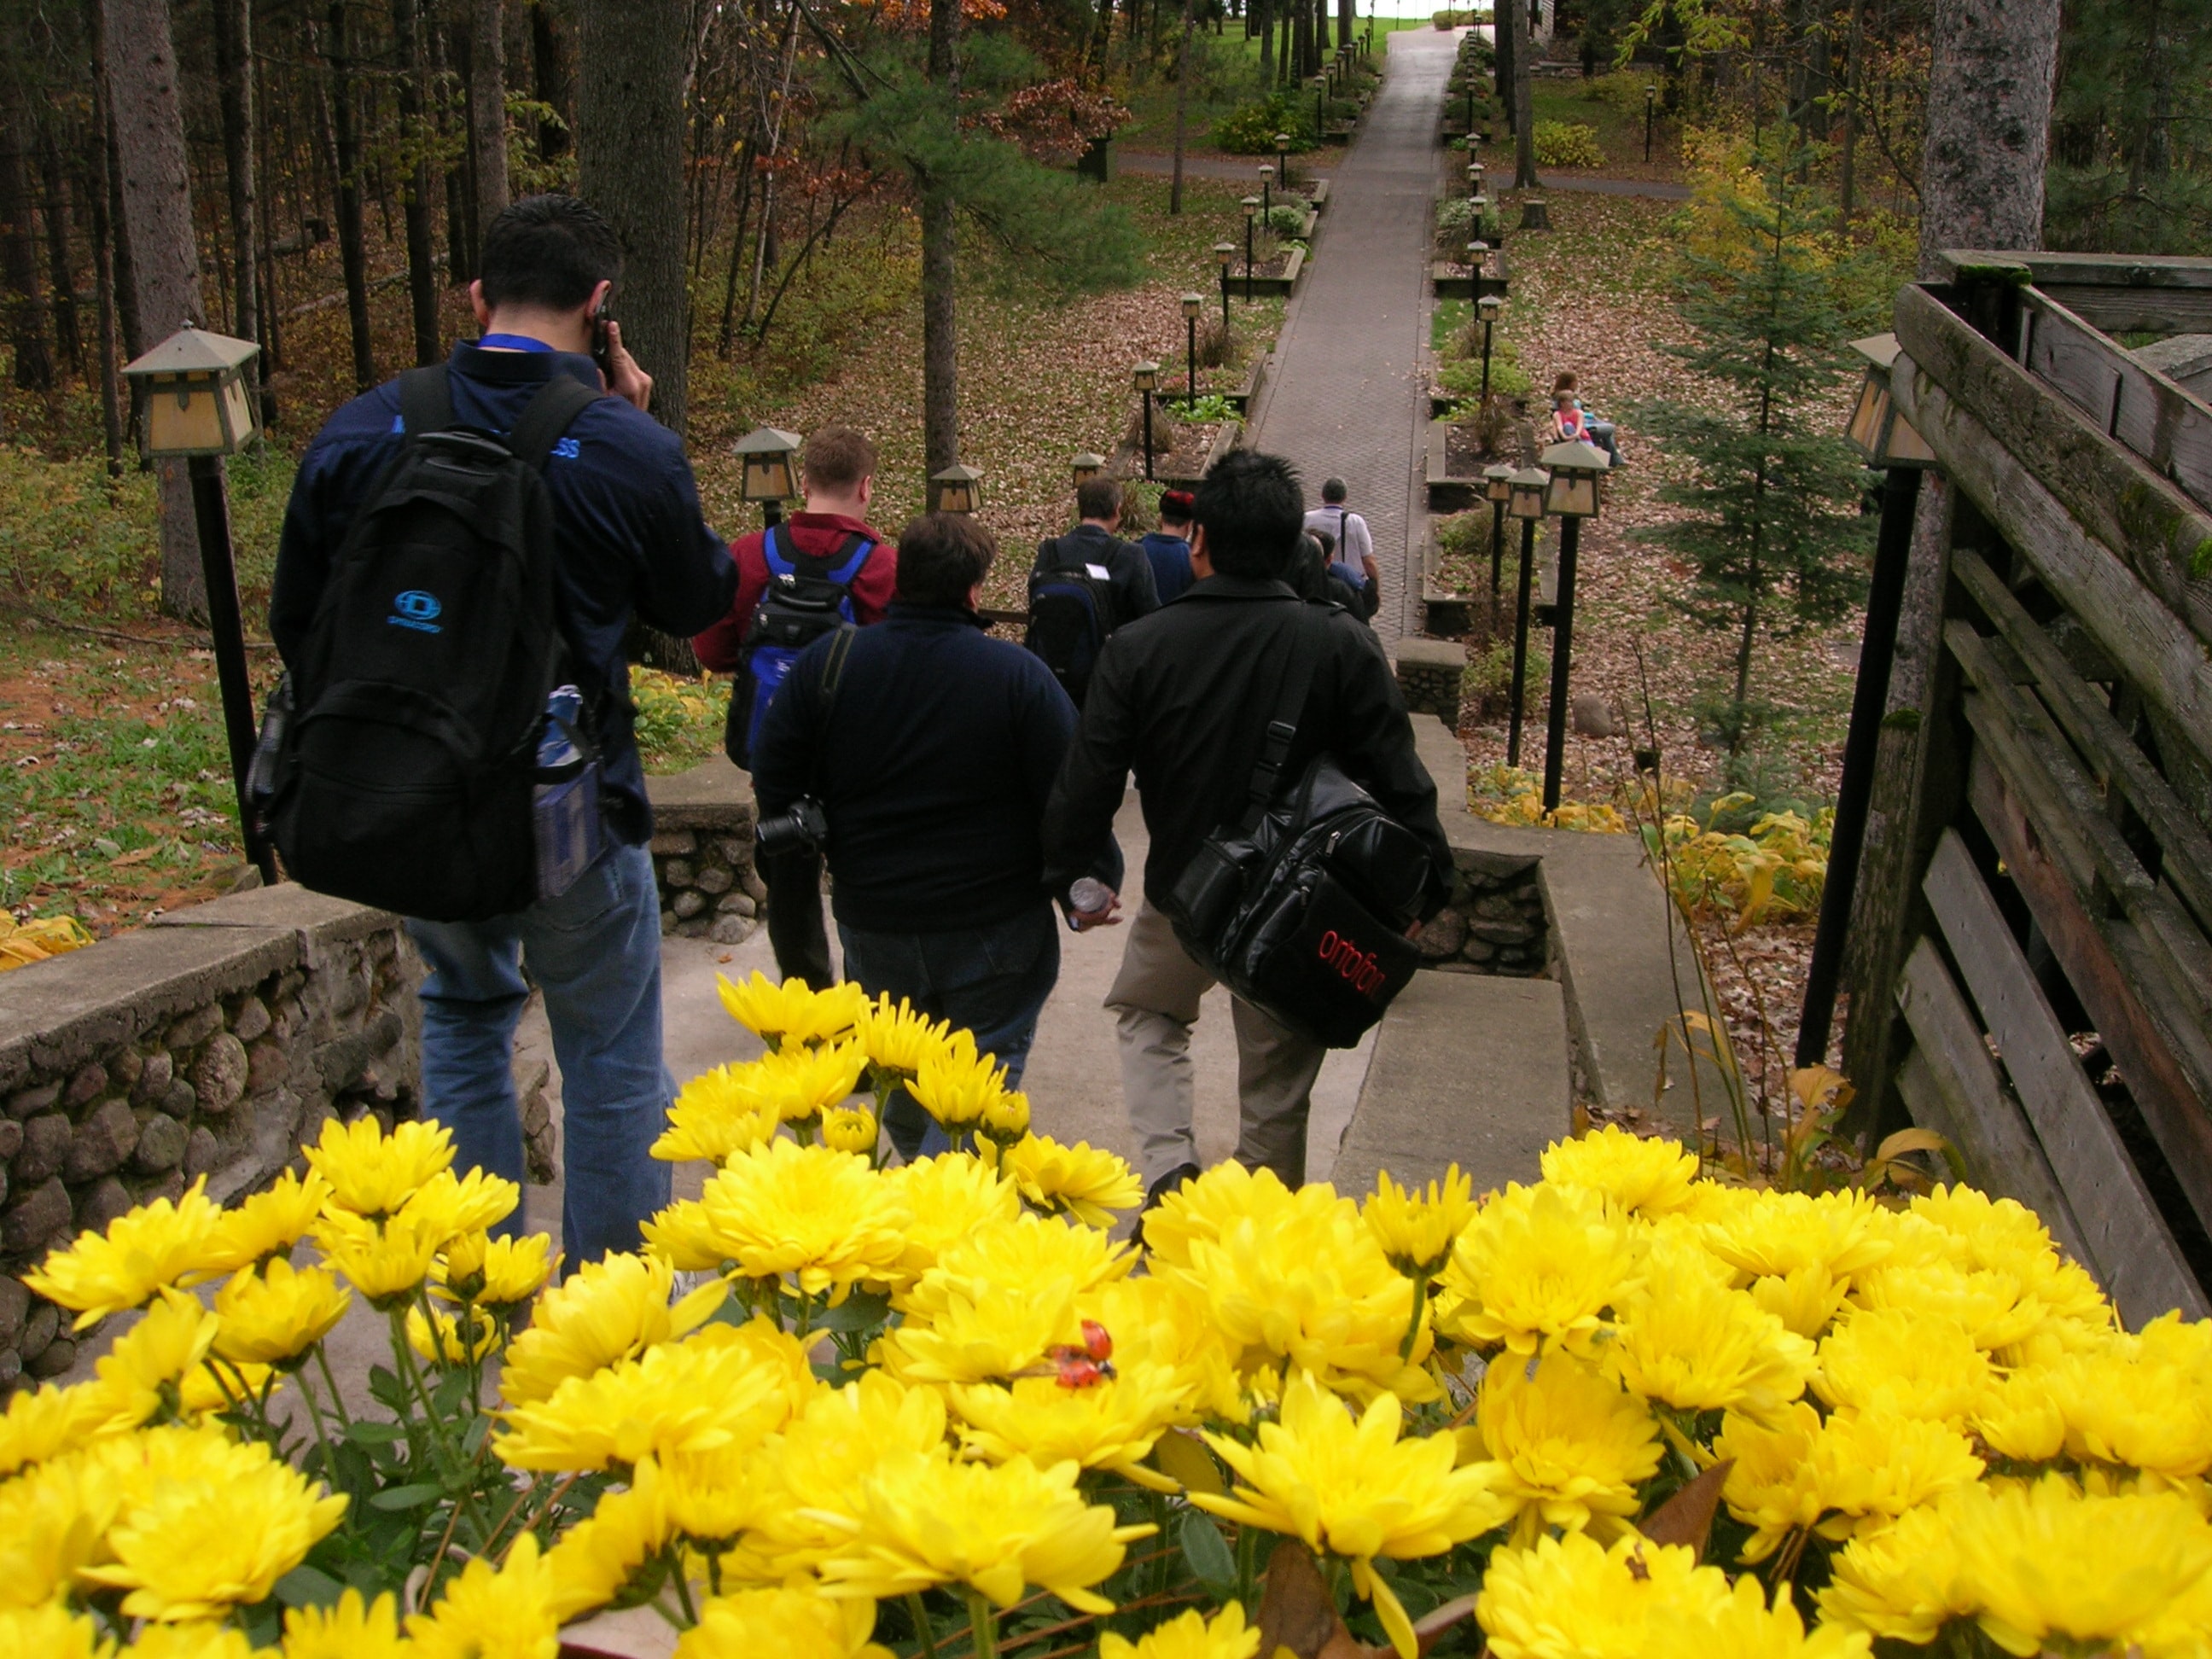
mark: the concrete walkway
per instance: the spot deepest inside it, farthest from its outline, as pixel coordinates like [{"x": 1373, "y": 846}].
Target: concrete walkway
[{"x": 1346, "y": 398}]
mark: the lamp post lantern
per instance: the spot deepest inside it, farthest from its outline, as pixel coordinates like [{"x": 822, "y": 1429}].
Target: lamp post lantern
[
  {"x": 1321, "y": 109},
  {"x": 1191, "y": 305},
  {"x": 1474, "y": 179},
  {"x": 1487, "y": 309},
  {"x": 1147, "y": 378},
  {"x": 767, "y": 470},
  {"x": 200, "y": 409},
  {"x": 1889, "y": 443},
  {"x": 1497, "y": 489},
  {"x": 1525, "y": 501},
  {"x": 1223, "y": 252},
  {"x": 1576, "y": 469},
  {"x": 957, "y": 488},
  {"x": 1283, "y": 160},
  {"x": 1251, "y": 205},
  {"x": 1651, "y": 99},
  {"x": 1477, "y": 251},
  {"x": 1086, "y": 467},
  {"x": 1267, "y": 188}
]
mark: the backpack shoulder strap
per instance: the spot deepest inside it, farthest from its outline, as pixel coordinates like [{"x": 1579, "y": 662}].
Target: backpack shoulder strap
[
  {"x": 1289, "y": 703},
  {"x": 546, "y": 416},
  {"x": 843, "y": 566},
  {"x": 426, "y": 400}
]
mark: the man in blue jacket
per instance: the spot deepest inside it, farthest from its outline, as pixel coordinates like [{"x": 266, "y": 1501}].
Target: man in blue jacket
[
  {"x": 931, "y": 748},
  {"x": 628, "y": 542}
]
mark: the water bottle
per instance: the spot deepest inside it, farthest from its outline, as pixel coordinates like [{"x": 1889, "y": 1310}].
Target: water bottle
[
  {"x": 566, "y": 810},
  {"x": 1089, "y": 895}
]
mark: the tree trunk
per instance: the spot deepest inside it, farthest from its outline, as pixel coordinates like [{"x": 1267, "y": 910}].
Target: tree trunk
[
  {"x": 549, "y": 77},
  {"x": 1264, "y": 26},
  {"x": 337, "y": 49},
  {"x": 1989, "y": 83},
  {"x": 940, "y": 320},
  {"x": 413, "y": 72},
  {"x": 54, "y": 182},
  {"x": 1501, "y": 41},
  {"x": 19, "y": 247},
  {"x": 629, "y": 155},
  {"x": 103, "y": 250},
  {"x": 487, "y": 111},
  {"x": 449, "y": 52},
  {"x": 1183, "y": 108},
  {"x": 232, "y": 21},
  {"x": 157, "y": 211},
  {"x": 1847, "y": 166},
  {"x": 126, "y": 268},
  {"x": 1524, "y": 122}
]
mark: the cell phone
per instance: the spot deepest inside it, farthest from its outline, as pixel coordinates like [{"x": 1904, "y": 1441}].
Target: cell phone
[{"x": 601, "y": 354}]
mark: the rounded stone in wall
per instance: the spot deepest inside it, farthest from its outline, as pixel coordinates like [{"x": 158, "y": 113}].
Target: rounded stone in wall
[
  {"x": 58, "y": 1356},
  {"x": 713, "y": 878},
  {"x": 152, "y": 1078},
  {"x": 677, "y": 873},
  {"x": 202, "y": 1151},
  {"x": 687, "y": 904},
  {"x": 102, "y": 1141},
  {"x": 160, "y": 1144},
  {"x": 736, "y": 904},
  {"x": 218, "y": 1076},
  {"x": 38, "y": 1330}
]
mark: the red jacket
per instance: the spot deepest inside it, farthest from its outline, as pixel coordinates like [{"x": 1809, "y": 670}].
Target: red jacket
[{"x": 819, "y": 534}]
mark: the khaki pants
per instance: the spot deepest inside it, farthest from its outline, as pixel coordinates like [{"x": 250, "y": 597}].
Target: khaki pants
[{"x": 1155, "y": 1002}]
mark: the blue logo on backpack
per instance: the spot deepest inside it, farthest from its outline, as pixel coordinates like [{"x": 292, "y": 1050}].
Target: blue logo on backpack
[{"x": 417, "y": 609}]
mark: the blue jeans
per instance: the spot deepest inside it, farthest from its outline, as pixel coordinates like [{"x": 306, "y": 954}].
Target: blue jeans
[
  {"x": 990, "y": 980},
  {"x": 595, "y": 952}
]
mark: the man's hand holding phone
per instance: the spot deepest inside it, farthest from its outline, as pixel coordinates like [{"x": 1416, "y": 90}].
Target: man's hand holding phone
[{"x": 624, "y": 378}]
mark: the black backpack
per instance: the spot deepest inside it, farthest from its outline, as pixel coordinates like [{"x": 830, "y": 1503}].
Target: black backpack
[
  {"x": 403, "y": 774},
  {"x": 1071, "y": 614},
  {"x": 1301, "y": 907}
]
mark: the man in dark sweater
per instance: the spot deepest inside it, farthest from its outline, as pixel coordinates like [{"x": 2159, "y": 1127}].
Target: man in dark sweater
[
  {"x": 627, "y": 543},
  {"x": 1184, "y": 698},
  {"x": 1117, "y": 572},
  {"x": 932, "y": 748}
]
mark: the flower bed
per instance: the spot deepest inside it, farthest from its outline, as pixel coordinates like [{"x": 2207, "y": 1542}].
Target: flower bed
[{"x": 935, "y": 1406}]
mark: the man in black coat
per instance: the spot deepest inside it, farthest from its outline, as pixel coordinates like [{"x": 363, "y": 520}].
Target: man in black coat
[{"x": 1183, "y": 697}]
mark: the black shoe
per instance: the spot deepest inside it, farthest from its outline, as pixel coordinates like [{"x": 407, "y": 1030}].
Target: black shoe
[{"x": 1172, "y": 1181}]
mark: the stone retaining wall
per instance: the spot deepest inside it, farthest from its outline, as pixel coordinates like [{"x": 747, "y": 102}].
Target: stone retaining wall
[
  {"x": 1495, "y": 922},
  {"x": 1429, "y": 676},
  {"x": 703, "y": 853},
  {"x": 209, "y": 1044}
]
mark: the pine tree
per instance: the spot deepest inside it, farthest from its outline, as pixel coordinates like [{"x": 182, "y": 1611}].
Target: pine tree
[{"x": 1772, "y": 529}]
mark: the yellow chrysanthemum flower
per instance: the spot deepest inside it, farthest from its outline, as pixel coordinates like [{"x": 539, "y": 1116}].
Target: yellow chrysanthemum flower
[
  {"x": 1569, "y": 1445},
  {"x": 1350, "y": 1486},
  {"x": 957, "y": 1086},
  {"x": 1805, "y": 1299},
  {"x": 1189, "y": 1635},
  {"x": 807, "y": 1486},
  {"x": 51, "y": 1631},
  {"x": 194, "y": 1641},
  {"x": 897, "y": 1039},
  {"x": 1109, "y": 1425},
  {"x": 2020, "y": 1419},
  {"x": 1417, "y": 1230},
  {"x": 594, "y": 1560},
  {"x": 997, "y": 1300},
  {"x": 705, "y": 1392},
  {"x": 2046, "y": 1565},
  {"x": 145, "y": 1251},
  {"x": 1747, "y": 1626},
  {"x": 1158, "y": 1320},
  {"x": 1904, "y": 1362},
  {"x": 1688, "y": 1340},
  {"x": 790, "y": 1622},
  {"x": 453, "y": 1205},
  {"x": 347, "y": 1629},
  {"x": 1005, "y": 1118},
  {"x": 826, "y": 1217},
  {"x": 487, "y": 1613},
  {"x": 385, "y": 1260},
  {"x": 515, "y": 1269},
  {"x": 792, "y": 1013},
  {"x": 2143, "y": 1402},
  {"x": 1082, "y": 1181},
  {"x": 461, "y": 1339},
  {"x": 373, "y": 1174},
  {"x": 1993, "y": 1307},
  {"x": 948, "y": 1196},
  {"x": 801, "y": 1084},
  {"x": 1799, "y": 1472},
  {"x": 1651, "y": 1177},
  {"x": 1775, "y": 1234},
  {"x": 1204, "y": 1209},
  {"x": 51, "y": 1520},
  {"x": 144, "y": 1369},
  {"x": 269, "y": 1223},
  {"x": 1574, "y": 1596},
  {"x": 925, "y": 1520},
  {"x": 1900, "y": 1580},
  {"x": 196, "y": 1549},
  {"x": 852, "y": 1130},
  {"x": 1538, "y": 1267},
  {"x": 718, "y": 1115},
  {"x": 41, "y": 1424},
  {"x": 605, "y": 1311},
  {"x": 277, "y": 1313}
]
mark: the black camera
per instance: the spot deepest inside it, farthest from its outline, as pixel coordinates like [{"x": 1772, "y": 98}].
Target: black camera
[{"x": 805, "y": 825}]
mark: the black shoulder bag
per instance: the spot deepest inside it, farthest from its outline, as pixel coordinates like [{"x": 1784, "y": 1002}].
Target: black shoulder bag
[{"x": 1301, "y": 907}]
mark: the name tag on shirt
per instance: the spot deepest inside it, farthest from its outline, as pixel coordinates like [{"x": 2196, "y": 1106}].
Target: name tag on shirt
[{"x": 1098, "y": 573}]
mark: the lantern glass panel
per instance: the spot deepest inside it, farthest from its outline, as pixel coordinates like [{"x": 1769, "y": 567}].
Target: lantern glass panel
[
  {"x": 1146, "y": 376},
  {"x": 1573, "y": 494},
  {"x": 1871, "y": 415},
  {"x": 1525, "y": 493},
  {"x": 1903, "y": 445},
  {"x": 767, "y": 478},
  {"x": 183, "y": 417},
  {"x": 1498, "y": 483}
]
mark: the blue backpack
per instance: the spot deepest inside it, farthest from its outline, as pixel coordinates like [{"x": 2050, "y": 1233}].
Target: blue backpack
[{"x": 808, "y": 595}]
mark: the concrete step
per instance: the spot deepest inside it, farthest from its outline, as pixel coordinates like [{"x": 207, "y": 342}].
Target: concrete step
[{"x": 1470, "y": 1070}]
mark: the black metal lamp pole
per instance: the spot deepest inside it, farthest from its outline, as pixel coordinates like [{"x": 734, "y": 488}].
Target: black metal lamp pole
[
  {"x": 1248, "y": 205},
  {"x": 1563, "y": 642},
  {"x": 1520, "y": 642},
  {"x": 219, "y": 570},
  {"x": 1224, "y": 300},
  {"x": 1148, "y": 434},
  {"x": 1900, "y": 494},
  {"x": 1650, "y": 93},
  {"x": 1485, "y": 351},
  {"x": 1497, "y": 550},
  {"x": 1190, "y": 348}
]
